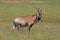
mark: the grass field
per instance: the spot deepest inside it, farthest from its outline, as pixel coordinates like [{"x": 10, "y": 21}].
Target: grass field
[{"x": 49, "y": 29}]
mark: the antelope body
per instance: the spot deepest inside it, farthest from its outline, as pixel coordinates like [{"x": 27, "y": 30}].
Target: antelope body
[{"x": 27, "y": 21}]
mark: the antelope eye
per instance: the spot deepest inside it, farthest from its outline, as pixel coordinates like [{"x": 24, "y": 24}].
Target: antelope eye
[{"x": 39, "y": 18}]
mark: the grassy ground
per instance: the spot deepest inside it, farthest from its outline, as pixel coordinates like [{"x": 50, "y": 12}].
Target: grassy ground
[{"x": 49, "y": 29}]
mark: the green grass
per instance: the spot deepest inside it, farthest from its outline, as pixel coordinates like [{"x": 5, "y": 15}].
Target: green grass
[
  {"x": 40, "y": 31},
  {"x": 49, "y": 29},
  {"x": 48, "y": 0}
]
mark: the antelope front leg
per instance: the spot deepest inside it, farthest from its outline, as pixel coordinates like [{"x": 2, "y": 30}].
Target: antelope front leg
[{"x": 30, "y": 27}]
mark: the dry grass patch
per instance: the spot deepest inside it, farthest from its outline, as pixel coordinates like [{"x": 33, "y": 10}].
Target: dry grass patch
[
  {"x": 23, "y": 1},
  {"x": 14, "y": 1}
]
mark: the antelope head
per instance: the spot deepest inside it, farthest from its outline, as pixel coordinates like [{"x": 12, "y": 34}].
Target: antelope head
[{"x": 39, "y": 15}]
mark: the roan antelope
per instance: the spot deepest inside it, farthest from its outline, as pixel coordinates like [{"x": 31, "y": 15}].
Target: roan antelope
[{"x": 27, "y": 20}]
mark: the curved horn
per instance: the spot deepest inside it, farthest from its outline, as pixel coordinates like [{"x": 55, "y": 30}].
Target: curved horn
[{"x": 39, "y": 13}]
